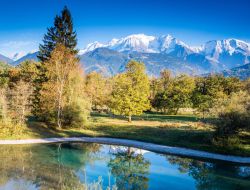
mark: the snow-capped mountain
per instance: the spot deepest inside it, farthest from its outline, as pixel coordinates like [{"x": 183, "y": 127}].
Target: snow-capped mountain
[
  {"x": 168, "y": 52},
  {"x": 214, "y": 49},
  {"x": 161, "y": 52},
  {"x": 167, "y": 44},
  {"x": 91, "y": 47}
]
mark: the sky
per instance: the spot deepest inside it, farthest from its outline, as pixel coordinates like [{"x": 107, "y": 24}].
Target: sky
[{"x": 24, "y": 22}]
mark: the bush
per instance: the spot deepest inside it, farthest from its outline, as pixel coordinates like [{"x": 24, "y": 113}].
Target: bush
[
  {"x": 75, "y": 115},
  {"x": 231, "y": 123},
  {"x": 227, "y": 143},
  {"x": 8, "y": 129}
]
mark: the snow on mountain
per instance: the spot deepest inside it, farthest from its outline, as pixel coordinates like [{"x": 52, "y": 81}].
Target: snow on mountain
[
  {"x": 91, "y": 47},
  {"x": 136, "y": 42},
  {"x": 141, "y": 43},
  {"x": 214, "y": 49},
  {"x": 167, "y": 44}
]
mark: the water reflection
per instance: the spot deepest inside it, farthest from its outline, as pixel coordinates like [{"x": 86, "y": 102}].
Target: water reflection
[
  {"x": 130, "y": 169},
  {"x": 218, "y": 175},
  {"x": 93, "y": 166}
]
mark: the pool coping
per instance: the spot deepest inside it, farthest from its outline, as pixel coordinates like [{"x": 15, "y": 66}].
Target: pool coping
[{"x": 137, "y": 144}]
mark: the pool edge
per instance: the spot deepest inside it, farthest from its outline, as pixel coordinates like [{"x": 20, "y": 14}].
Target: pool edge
[{"x": 137, "y": 144}]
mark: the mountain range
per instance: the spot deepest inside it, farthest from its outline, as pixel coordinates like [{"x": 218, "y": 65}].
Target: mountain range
[{"x": 161, "y": 52}]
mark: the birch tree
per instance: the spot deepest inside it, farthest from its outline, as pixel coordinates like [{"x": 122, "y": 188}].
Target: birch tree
[{"x": 64, "y": 87}]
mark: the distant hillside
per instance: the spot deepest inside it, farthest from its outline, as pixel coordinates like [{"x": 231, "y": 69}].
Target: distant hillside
[
  {"x": 111, "y": 62},
  {"x": 5, "y": 59},
  {"x": 29, "y": 56},
  {"x": 106, "y": 61},
  {"x": 242, "y": 72}
]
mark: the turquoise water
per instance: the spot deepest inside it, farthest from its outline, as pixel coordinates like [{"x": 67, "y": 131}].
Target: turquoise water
[{"x": 94, "y": 166}]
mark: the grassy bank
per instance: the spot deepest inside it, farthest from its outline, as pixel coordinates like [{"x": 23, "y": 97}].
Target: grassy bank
[{"x": 181, "y": 131}]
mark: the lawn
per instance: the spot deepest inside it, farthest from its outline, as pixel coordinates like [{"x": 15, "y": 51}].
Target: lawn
[{"x": 181, "y": 130}]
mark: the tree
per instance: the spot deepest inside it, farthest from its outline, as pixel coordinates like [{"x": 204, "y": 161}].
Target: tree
[
  {"x": 247, "y": 85},
  {"x": 19, "y": 101},
  {"x": 159, "y": 88},
  {"x": 61, "y": 33},
  {"x": 28, "y": 71},
  {"x": 62, "y": 96},
  {"x": 207, "y": 91},
  {"x": 231, "y": 84},
  {"x": 160, "y": 101},
  {"x": 131, "y": 91},
  {"x": 17, "y": 87},
  {"x": 98, "y": 89},
  {"x": 154, "y": 88},
  {"x": 3, "y": 105},
  {"x": 165, "y": 79},
  {"x": 179, "y": 95}
]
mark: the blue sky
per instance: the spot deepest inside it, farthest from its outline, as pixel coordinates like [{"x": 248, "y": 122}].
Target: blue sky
[{"x": 24, "y": 22}]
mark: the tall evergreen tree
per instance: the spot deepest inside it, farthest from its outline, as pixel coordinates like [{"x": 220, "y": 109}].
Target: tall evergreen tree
[{"x": 62, "y": 32}]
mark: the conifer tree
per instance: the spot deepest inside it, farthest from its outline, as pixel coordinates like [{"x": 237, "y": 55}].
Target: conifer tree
[{"x": 61, "y": 33}]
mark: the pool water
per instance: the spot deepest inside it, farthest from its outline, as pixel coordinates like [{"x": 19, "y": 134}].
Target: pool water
[{"x": 99, "y": 167}]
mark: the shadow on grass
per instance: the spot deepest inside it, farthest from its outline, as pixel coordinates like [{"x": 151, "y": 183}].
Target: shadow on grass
[
  {"x": 151, "y": 117},
  {"x": 41, "y": 130},
  {"x": 166, "y": 136},
  {"x": 161, "y": 135}
]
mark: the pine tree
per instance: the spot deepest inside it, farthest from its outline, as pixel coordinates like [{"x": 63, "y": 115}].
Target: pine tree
[{"x": 62, "y": 32}]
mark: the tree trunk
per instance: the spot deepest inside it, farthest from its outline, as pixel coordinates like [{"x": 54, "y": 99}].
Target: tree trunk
[
  {"x": 176, "y": 111},
  {"x": 59, "y": 108},
  {"x": 129, "y": 118}
]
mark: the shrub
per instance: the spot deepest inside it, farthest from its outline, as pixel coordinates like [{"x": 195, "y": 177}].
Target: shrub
[
  {"x": 231, "y": 123},
  {"x": 227, "y": 143},
  {"x": 76, "y": 114},
  {"x": 8, "y": 129},
  {"x": 233, "y": 114}
]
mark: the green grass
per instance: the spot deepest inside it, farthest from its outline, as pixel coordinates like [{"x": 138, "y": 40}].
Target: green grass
[{"x": 181, "y": 131}]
